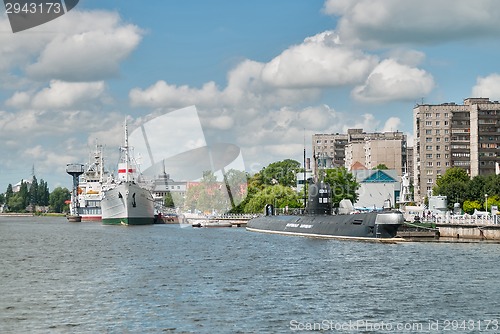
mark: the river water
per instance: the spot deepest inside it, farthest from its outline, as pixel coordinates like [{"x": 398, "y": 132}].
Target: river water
[{"x": 60, "y": 277}]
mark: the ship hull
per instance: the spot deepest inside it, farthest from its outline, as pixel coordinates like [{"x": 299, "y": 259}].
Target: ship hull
[
  {"x": 127, "y": 204},
  {"x": 371, "y": 226}
]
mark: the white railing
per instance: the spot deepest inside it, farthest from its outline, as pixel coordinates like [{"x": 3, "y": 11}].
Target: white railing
[{"x": 466, "y": 220}]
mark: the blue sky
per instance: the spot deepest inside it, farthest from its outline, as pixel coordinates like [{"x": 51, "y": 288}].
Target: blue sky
[{"x": 261, "y": 73}]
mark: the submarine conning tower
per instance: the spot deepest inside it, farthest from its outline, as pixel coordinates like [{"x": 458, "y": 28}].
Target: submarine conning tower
[{"x": 320, "y": 200}]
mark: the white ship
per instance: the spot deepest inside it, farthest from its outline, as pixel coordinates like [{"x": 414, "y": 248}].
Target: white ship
[
  {"x": 127, "y": 202},
  {"x": 91, "y": 186}
]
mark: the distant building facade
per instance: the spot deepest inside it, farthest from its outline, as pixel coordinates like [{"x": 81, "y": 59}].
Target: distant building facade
[
  {"x": 450, "y": 135},
  {"x": 369, "y": 149}
]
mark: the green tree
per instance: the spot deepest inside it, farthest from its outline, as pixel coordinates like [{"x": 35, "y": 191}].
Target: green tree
[
  {"x": 168, "y": 201},
  {"x": 24, "y": 195},
  {"x": 208, "y": 195},
  {"x": 342, "y": 184},
  {"x": 278, "y": 195},
  {"x": 58, "y": 198},
  {"x": 236, "y": 183},
  {"x": 492, "y": 200},
  {"x": 2, "y": 199},
  {"x": 470, "y": 206},
  {"x": 43, "y": 193},
  {"x": 382, "y": 167},
  {"x": 454, "y": 185},
  {"x": 281, "y": 172},
  {"x": 476, "y": 188},
  {"x": 16, "y": 203},
  {"x": 254, "y": 185},
  {"x": 492, "y": 185},
  {"x": 33, "y": 193},
  {"x": 8, "y": 193}
]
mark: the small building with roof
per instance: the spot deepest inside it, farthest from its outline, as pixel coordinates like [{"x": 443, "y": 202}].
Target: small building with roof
[{"x": 376, "y": 186}]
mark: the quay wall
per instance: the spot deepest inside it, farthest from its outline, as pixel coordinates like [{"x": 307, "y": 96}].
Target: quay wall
[{"x": 484, "y": 232}]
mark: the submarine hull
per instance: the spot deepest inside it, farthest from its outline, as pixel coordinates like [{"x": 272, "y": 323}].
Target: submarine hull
[{"x": 372, "y": 226}]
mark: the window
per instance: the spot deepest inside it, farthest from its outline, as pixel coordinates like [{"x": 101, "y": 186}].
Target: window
[
  {"x": 428, "y": 156},
  {"x": 429, "y": 181},
  {"x": 446, "y": 139},
  {"x": 428, "y": 140},
  {"x": 447, "y": 156},
  {"x": 446, "y": 148},
  {"x": 430, "y": 172},
  {"x": 445, "y": 122},
  {"x": 438, "y": 164},
  {"x": 438, "y": 139},
  {"x": 428, "y": 123},
  {"x": 445, "y": 115},
  {"x": 438, "y": 123},
  {"x": 447, "y": 164},
  {"x": 437, "y": 132},
  {"x": 446, "y": 131},
  {"x": 429, "y": 163},
  {"x": 438, "y": 156},
  {"x": 438, "y": 147},
  {"x": 428, "y": 115},
  {"x": 438, "y": 115},
  {"x": 428, "y": 147},
  {"x": 428, "y": 132}
]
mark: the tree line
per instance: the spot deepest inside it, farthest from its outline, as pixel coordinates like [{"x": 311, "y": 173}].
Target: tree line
[
  {"x": 477, "y": 193},
  {"x": 35, "y": 197},
  {"x": 275, "y": 184}
]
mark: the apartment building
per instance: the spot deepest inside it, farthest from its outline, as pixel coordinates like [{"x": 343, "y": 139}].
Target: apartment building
[
  {"x": 369, "y": 149},
  {"x": 450, "y": 135},
  {"x": 329, "y": 150}
]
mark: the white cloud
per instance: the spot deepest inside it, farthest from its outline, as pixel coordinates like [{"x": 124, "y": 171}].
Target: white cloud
[
  {"x": 79, "y": 46},
  {"x": 392, "y": 124},
  {"x": 367, "y": 122},
  {"x": 488, "y": 86},
  {"x": 66, "y": 95},
  {"x": 161, "y": 94},
  {"x": 60, "y": 95},
  {"x": 318, "y": 62},
  {"x": 19, "y": 100},
  {"x": 391, "y": 81},
  {"x": 386, "y": 22}
]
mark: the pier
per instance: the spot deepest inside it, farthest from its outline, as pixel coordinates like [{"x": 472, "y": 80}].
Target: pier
[
  {"x": 226, "y": 220},
  {"x": 467, "y": 227}
]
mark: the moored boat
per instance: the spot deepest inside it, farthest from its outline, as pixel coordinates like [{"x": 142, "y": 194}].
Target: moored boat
[
  {"x": 127, "y": 202},
  {"x": 91, "y": 186},
  {"x": 320, "y": 221}
]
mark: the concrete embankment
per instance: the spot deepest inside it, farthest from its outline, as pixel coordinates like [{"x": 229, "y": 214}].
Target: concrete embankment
[
  {"x": 469, "y": 231},
  {"x": 16, "y": 215}
]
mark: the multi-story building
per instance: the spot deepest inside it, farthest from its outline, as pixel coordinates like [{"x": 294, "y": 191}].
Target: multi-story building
[
  {"x": 369, "y": 149},
  {"x": 450, "y": 135},
  {"x": 329, "y": 150}
]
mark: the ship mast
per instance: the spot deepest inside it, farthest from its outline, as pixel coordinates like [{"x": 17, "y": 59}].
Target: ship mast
[{"x": 125, "y": 148}]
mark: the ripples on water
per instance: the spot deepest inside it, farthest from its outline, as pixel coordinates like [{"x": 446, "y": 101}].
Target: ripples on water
[{"x": 59, "y": 277}]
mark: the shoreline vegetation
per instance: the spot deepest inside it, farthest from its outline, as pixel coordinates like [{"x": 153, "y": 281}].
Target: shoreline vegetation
[{"x": 28, "y": 214}]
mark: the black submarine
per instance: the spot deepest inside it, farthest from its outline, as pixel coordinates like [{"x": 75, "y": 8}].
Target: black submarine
[{"x": 320, "y": 221}]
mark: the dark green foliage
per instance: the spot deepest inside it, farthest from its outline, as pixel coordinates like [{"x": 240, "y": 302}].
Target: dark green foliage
[
  {"x": 343, "y": 185},
  {"x": 58, "y": 198},
  {"x": 168, "y": 201},
  {"x": 457, "y": 186},
  {"x": 381, "y": 167},
  {"x": 281, "y": 172}
]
